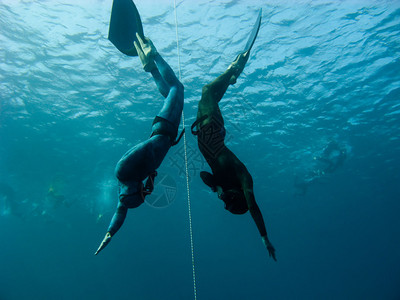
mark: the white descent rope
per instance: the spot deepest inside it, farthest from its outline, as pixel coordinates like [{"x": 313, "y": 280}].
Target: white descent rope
[{"x": 186, "y": 164}]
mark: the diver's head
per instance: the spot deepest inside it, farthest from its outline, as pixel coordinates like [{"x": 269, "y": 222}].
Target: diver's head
[{"x": 235, "y": 201}]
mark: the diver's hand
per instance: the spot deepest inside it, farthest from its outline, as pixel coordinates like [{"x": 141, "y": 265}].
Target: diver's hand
[
  {"x": 146, "y": 52},
  {"x": 269, "y": 246},
  {"x": 104, "y": 243}
]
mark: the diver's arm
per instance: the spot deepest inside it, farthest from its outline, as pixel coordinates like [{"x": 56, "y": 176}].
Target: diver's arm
[
  {"x": 116, "y": 223},
  {"x": 255, "y": 211},
  {"x": 118, "y": 219},
  {"x": 247, "y": 185}
]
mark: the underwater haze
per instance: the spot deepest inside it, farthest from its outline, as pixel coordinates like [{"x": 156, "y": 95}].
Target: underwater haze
[{"x": 71, "y": 105}]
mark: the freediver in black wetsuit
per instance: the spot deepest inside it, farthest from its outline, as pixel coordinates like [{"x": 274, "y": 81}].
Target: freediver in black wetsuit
[
  {"x": 142, "y": 160},
  {"x": 230, "y": 178}
]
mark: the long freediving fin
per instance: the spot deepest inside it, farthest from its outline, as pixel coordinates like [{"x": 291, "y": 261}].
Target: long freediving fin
[
  {"x": 124, "y": 24},
  {"x": 241, "y": 60},
  {"x": 254, "y": 33}
]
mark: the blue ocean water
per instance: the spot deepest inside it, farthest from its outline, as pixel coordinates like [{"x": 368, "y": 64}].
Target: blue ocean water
[{"x": 71, "y": 105}]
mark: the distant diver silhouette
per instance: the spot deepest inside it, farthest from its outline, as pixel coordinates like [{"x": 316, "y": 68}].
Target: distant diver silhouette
[
  {"x": 7, "y": 199},
  {"x": 331, "y": 158},
  {"x": 230, "y": 178},
  {"x": 142, "y": 160}
]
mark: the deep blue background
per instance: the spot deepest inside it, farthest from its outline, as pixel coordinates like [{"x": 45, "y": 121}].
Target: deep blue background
[{"x": 71, "y": 105}]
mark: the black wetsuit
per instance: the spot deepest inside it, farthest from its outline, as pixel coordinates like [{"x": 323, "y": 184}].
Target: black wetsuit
[
  {"x": 229, "y": 172},
  {"x": 141, "y": 161}
]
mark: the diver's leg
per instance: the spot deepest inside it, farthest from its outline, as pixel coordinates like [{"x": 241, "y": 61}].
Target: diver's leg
[
  {"x": 173, "y": 106},
  {"x": 215, "y": 90},
  {"x": 218, "y": 87},
  {"x": 161, "y": 84},
  {"x": 212, "y": 93},
  {"x": 153, "y": 62},
  {"x": 164, "y": 76},
  {"x": 166, "y": 72},
  {"x": 168, "y": 84},
  {"x": 146, "y": 52}
]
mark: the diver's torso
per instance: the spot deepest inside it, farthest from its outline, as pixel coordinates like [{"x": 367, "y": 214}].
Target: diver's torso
[
  {"x": 143, "y": 159},
  {"x": 227, "y": 170}
]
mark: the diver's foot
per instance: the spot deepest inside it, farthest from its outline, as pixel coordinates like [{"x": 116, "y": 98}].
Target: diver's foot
[
  {"x": 146, "y": 51},
  {"x": 237, "y": 66}
]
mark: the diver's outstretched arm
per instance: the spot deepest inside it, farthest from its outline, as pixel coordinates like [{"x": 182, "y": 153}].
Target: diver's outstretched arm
[
  {"x": 116, "y": 223},
  {"x": 118, "y": 219},
  {"x": 247, "y": 186},
  {"x": 258, "y": 219}
]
